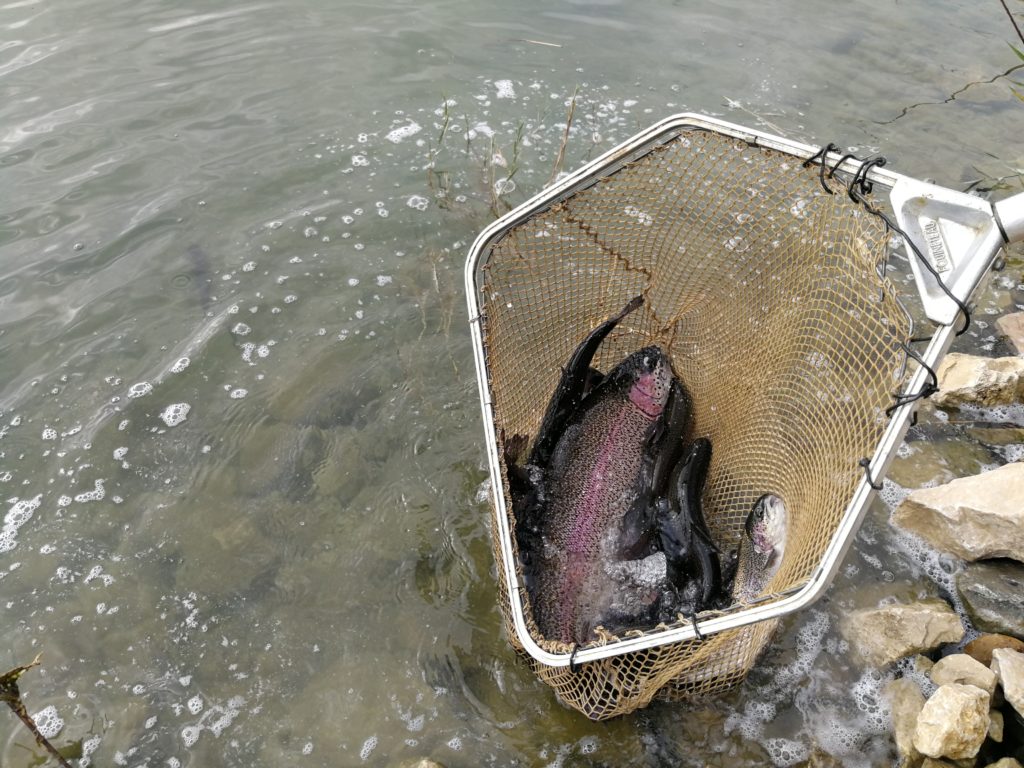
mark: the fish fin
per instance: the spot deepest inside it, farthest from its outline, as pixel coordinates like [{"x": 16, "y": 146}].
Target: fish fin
[{"x": 572, "y": 386}]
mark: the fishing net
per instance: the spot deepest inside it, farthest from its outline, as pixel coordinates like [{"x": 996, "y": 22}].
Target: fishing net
[{"x": 768, "y": 295}]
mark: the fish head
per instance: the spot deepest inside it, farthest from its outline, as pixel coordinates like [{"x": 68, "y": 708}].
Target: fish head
[
  {"x": 766, "y": 527},
  {"x": 647, "y": 376}
]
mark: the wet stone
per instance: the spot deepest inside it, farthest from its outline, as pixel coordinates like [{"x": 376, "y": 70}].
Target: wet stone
[
  {"x": 980, "y": 648},
  {"x": 906, "y": 702},
  {"x": 1006, "y": 762},
  {"x": 961, "y": 668},
  {"x": 979, "y": 381},
  {"x": 1009, "y": 668},
  {"x": 993, "y": 594},
  {"x": 1012, "y": 327},
  {"x": 953, "y": 723},
  {"x": 995, "y": 726},
  {"x": 928, "y": 462},
  {"x": 884, "y": 635},
  {"x": 973, "y": 517}
]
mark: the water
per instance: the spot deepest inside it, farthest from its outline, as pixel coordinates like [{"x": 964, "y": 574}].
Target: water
[{"x": 241, "y": 457}]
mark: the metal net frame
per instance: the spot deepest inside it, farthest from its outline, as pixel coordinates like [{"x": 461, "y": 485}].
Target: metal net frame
[{"x": 765, "y": 284}]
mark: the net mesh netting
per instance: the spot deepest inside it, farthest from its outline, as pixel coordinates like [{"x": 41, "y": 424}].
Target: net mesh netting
[{"x": 765, "y": 292}]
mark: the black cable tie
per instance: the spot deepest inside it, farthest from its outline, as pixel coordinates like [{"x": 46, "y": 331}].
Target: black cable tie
[
  {"x": 930, "y": 387},
  {"x": 839, "y": 162},
  {"x": 866, "y": 463},
  {"x": 820, "y": 156},
  {"x": 573, "y": 666}
]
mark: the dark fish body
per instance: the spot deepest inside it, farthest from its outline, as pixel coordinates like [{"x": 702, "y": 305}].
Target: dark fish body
[{"x": 595, "y": 478}]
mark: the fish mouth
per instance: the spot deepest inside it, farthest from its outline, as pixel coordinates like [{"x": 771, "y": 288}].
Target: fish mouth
[{"x": 653, "y": 381}]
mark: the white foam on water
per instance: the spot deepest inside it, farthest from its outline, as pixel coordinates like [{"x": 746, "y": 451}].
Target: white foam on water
[
  {"x": 48, "y": 722},
  {"x": 307, "y": 748},
  {"x": 238, "y": 394},
  {"x": 49, "y": 434},
  {"x": 241, "y": 329},
  {"x": 139, "y": 389},
  {"x": 360, "y": 160},
  {"x": 403, "y": 132},
  {"x": 786, "y": 752},
  {"x": 195, "y": 705},
  {"x": 505, "y": 89},
  {"x": 21, "y": 512},
  {"x": 368, "y": 746},
  {"x": 418, "y": 202},
  {"x": 180, "y": 365},
  {"x": 120, "y": 453},
  {"x": 383, "y": 280},
  {"x": 175, "y": 413}
]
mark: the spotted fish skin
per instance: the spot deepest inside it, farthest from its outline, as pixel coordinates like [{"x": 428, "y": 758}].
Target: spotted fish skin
[{"x": 595, "y": 477}]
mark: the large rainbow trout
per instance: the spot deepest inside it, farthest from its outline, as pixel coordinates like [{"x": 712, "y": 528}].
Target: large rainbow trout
[{"x": 596, "y": 487}]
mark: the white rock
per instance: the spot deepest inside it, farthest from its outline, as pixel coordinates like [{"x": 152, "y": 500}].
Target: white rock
[
  {"x": 953, "y": 723},
  {"x": 973, "y": 517},
  {"x": 883, "y": 635},
  {"x": 1006, "y": 762},
  {"x": 961, "y": 668},
  {"x": 1009, "y": 668},
  {"x": 982, "y": 381}
]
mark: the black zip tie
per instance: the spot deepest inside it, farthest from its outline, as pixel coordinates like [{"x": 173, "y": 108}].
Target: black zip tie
[
  {"x": 930, "y": 387},
  {"x": 858, "y": 187},
  {"x": 573, "y": 666},
  {"x": 820, "y": 156},
  {"x": 866, "y": 463},
  {"x": 839, "y": 162},
  {"x": 696, "y": 630}
]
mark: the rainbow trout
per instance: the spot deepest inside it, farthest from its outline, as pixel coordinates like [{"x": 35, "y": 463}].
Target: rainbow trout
[{"x": 596, "y": 487}]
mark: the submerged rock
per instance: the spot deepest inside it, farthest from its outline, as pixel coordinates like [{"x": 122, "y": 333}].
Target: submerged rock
[
  {"x": 1012, "y": 327},
  {"x": 905, "y": 703},
  {"x": 961, "y": 668},
  {"x": 1006, "y": 762},
  {"x": 883, "y": 635},
  {"x": 973, "y": 517},
  {"x": 980, "y": 648},
  {"x": 1009, "y": 669},
  {"x": 995, "y": 726},
  {"x": 953, "y": 723},
  {"x": 993, "y": 594},
  {"x": 979, "y": 381}
]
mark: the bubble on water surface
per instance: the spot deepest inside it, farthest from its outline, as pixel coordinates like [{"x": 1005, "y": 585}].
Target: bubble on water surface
[
  {"x": 368, "y": 746},
  {"x": 180, "y": 365},
  {"x": 49, "y": 434},
  {"x": 238, "y": 394},
  {"x": 175, "y": 413},
  {"x": 48, "y": 722},
  {"x": 120, "y": 453},
  {"x": 19, "y": 514},
  {"x": 139, "y": 389},
  {"x": 418, "y": 202},
  {"x": 360, "y": 160},
  {"x": 190, "y": 735},
  {"x": 290, "y": 298},
  {"x": 786, "y": 752},
  {"x": 403, "y": 132},
  {"x": 195, "y": 705},
  {"x": 505, "y": 89},
  {"x": 307, "y": 748}
]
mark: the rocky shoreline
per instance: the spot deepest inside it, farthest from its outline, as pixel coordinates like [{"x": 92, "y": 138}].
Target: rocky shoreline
[{"x": 962, "y": 704}]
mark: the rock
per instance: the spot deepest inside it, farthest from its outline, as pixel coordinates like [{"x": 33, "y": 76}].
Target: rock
[
  {"x": 931, "y": 762},
  {"x": 1012, "y": 327},
  {"x": 1006, "y": 762},
  {"x": 929, "y": 462},
  {"x": 953, "y": 723},
  {"x": 979, "y": 381},
  {"x": 423, "y": 762},
  {"x": 961, "y": 668},
  {"x": 981, "y": 648},
  {"x": 883, "y": 635},
  {"x": 1009, "y": 668},
  {"x": 973, "y": 517},
  {"x": 905, "y": 703},
  {"x": 995, "y": 726},
  {"x": 993, "y": 594}
]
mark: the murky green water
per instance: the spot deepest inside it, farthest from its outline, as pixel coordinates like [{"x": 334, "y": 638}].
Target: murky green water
[{"x": 240, "y": 446}]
